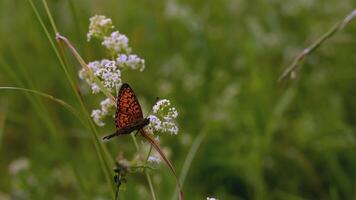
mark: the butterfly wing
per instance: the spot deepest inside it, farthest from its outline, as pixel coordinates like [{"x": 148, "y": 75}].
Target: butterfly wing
[{"x": 128, "y": 110}]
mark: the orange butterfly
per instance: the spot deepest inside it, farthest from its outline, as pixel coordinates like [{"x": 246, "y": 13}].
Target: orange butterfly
[
  {"x": 129, "y": 118},
  {"x": 129, "y": 115}
]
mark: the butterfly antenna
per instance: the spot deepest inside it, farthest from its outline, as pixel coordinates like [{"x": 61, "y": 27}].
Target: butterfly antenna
[{"x": 166, "y": 160}]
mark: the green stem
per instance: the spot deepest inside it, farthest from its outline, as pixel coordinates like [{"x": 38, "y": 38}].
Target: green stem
[
  {"x": 50, "y": 97},
  {"x": 135, "y": 142},
  {"x": 98, "y": 146},
  {"x": 50, "y": 16},
  {"x": 150, "y": 185},
  {"x": 148, "y": 155},
  {"x": 315, "y": 45},
  {"x": 148, "y": 177},
  {"x": 189, "y": 159}
]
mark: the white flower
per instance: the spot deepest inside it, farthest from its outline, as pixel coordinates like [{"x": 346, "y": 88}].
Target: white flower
[
  {"x": 211, "y": 198},
  {"x": 171, "y": 114},
  {"x": 97, "y": 117},
  {"x": 154, "y": 160},
  {"x": 155, "y": 123},
  {"x": 82, "y": 74},
  {"x": 130, "y": 61},
  {"x": 106, "y": 71},
  {"x": 95, "y": 88},
  {"x": 106, "y": 104},
  {"x": 107, "y": 109},
  {"x": 19, "y": 165},
  {"x": 170, "y": 127},
  {"x": 163, "y": 118},
  {"x": 117, "y": 43},
  {"x": 121, "y": 60},
  {"x": 136, "y": 62},
  {"x": 99, "y": 27},
  {"x": 160, "y": 105}
]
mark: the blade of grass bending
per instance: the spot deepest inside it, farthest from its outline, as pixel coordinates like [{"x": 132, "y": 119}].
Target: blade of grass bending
[
  {"x": 315, "y": 45},
  {"x": 64, "y": 65},
  {"x": 167, "y": 161},
  {"x": 98, "y": 146},
  {"x": 39, "y": 108},
  {"x": 81, "y": 61},
  {"x": 50, "y": 97}
]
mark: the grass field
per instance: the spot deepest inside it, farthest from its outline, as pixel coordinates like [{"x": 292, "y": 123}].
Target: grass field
[{"x": 242, "y": 134}]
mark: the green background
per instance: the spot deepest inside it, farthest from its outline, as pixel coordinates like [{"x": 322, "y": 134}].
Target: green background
[{"x": 218, "y": 62}]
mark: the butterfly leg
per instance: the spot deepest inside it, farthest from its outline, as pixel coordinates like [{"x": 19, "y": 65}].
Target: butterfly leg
[
  {"x": 110, "y": 136},
  {"x": 136, "y": 133}
]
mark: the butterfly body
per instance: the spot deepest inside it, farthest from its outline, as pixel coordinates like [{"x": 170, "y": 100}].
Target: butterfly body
[{"x": 127, "y": 130}]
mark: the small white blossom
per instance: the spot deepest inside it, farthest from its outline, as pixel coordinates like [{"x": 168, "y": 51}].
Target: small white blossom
[
  {"x": 110, "y": 75},
  {"x": 95, "y": 88},
  {"x": 82, "y": 74},
  {"x": 106, "y": 71},
  {"x": 117, "y": 43},
  {"x": 97, "y": 117},
  {"x": 107, "y": 109},
  {"x": 211, "y": 198},
  {"x": 130, "y": 61},
  {"x": 163, "y": 118},
  {"x": 19, "y": 165},
  {"x": 99, "y": 27},
  {"x": 155, "y": 123},
  {"x": 154, "y": 160},
  {"x": 170, "y": 127},
  {"x": 157, "y": 139},
  {"x": 160, "y": 105},
  {"x": 106, "y": 104},
  {"x": 171, "y": 114}
]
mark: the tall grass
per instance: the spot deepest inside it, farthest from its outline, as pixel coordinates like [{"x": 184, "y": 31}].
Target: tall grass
[{"x": 105, "y": 158}]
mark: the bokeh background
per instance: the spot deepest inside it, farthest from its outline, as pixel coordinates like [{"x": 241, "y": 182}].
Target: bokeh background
[{"x": 249, "y": 137}]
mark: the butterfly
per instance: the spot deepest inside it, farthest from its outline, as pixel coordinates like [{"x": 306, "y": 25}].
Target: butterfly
[{"x": 129, "y": 118}]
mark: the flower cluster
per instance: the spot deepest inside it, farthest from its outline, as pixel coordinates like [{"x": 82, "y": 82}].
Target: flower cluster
[
  {"x": 108, "y": 71},
  {"x": 162, "y": 119},
  {"x": 99, "y": 26},
  {"x": 99, "y": 115},
  {"x": 211, "y": 198},
  {"x": 131, "y": 61},
  {"x": 117, "y": 42}
]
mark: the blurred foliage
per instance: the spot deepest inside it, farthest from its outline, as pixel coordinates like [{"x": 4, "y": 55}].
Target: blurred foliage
[{"x": 218, "y": 61}]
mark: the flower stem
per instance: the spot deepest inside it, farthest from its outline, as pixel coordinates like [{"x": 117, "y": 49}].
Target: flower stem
[
  {"x": 150, "y": 185},
  {"x": 315, "y": 45},
  {"x": 145, "y": 171}
]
